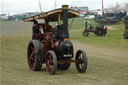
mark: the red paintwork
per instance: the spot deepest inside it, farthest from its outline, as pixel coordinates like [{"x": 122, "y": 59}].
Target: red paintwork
[
  {"x": 55, "y": 47},
  {"x": 48, "y": 42}
]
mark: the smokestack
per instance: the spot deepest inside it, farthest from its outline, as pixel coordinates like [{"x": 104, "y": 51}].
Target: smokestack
[{"x": 65, "y": 20}]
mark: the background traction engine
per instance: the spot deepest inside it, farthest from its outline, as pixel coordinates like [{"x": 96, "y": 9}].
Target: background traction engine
[{"x": 98, "y": 30}]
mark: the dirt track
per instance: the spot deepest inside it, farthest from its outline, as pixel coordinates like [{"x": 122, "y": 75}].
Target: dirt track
[{"x": 111, "y": 54}]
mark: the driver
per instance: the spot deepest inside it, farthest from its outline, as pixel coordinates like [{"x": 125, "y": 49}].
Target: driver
[{"x": 35, "y": 29}]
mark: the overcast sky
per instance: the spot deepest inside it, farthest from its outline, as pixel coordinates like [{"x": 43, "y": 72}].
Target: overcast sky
[{"x": 22, "y": 6}]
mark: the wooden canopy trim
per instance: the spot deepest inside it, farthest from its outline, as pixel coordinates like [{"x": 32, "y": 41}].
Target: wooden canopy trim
[{"x": 53, "y": 15}]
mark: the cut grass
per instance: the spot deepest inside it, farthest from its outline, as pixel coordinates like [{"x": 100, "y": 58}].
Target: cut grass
[
  {"x": 103, "y": 68},
  {"x": 15, "y": 69}
]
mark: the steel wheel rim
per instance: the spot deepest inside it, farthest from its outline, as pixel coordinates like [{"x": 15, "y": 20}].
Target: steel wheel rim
[{"x": 31, "y": 56}]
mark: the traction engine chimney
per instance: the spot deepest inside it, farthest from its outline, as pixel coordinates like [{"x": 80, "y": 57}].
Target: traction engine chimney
[{"x": 65, "y": 20}]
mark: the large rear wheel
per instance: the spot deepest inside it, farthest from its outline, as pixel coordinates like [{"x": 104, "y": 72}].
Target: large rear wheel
[
  {"x": 81, "y": 61},
  {"x": 51, "y": 62},
  {"x": 34, "y": 55}
]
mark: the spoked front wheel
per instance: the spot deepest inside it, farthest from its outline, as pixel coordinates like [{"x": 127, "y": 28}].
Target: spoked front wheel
[
  {"x": 51, "y": 62},
  {"x": 81, "y": 61}
]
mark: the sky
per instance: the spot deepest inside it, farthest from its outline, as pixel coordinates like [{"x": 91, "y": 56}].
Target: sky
[{"x": 22, "y": 6}]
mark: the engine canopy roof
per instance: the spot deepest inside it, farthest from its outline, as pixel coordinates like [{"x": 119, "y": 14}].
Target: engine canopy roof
[{"x": 52, "y": 15}]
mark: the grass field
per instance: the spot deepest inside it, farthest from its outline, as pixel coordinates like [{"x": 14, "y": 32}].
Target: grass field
[{"x": 107, "y": 57}]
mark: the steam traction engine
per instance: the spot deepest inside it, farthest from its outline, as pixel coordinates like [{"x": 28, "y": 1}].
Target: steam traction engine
[
  {"x": 54, "y": 47},
  {"x": 98, "y": 30}
]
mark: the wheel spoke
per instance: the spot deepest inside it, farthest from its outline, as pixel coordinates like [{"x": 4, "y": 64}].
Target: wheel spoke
[
  {"x": 32, "y": 56},
  {"x": 48, "y": 67},
  {"x": 81, "y": 55},
  {"x": 50, "y": 57},
  {"x": 80, "y": 66},
  {"x": 32, "y": 49},
  {"x": 49, "y": 62}
]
